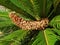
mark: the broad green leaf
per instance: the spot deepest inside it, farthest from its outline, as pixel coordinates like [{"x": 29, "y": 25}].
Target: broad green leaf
[
  {"x": 9, "y": 4},
  {"x": 4, "y": 19},
  {"x": 32, "y": 9},
  {"x": 51, "y": 37},
  {"x": 56, "y": 32},
  {"x": 40, "y": 39},
  {"x": 47, "y": 37},
  {"x": 13, "y": 38},
  {"x": 55, "y": 22},
  {"x": 36, "y": 8},
  {"x": 41, "y": 8},
  {"x": 6, "y": 24},
  {"x": 24, "y": 5}
]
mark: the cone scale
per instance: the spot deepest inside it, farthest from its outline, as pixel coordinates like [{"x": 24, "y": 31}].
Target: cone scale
[{"x": 28, "y": 25}]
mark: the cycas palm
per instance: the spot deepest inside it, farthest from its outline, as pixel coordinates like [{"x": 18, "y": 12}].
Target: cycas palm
[{"x": 33, "y": 10}]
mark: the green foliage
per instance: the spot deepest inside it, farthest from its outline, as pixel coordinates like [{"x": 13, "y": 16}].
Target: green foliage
[
  {"x": 55, "y": 22},
  {"x": 52, "y": 36},
  {"x": 24, "y": 5},
  {"x": 23, "y": 13},
  {"x": 15, "y": 38},
  {"x": 4, "y": 18},
  {"x": 39, "y": 39},
  {"x": 34, "y": 7},
  {"x": 30, "y": 10}
]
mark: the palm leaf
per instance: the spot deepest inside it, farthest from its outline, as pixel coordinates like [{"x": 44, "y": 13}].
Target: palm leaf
[
  {"x": 41, "y": 8},
  {"x": 39, "y": 39},
  {"x": 47, "y": 37},
  {"x": 25, "y": 5},
  {"x": 15, "y": 8},
  {"x": 55, "y": 22},
  {"x": 14, "y": 38},
  {"x": 4, "y": 18}
]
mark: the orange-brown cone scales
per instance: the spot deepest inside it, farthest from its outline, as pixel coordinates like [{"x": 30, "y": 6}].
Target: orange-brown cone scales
[{"x": 28, "y": 25}]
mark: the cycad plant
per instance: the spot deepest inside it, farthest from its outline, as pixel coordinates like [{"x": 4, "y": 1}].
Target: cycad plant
[{"x": 37, "y": 24}]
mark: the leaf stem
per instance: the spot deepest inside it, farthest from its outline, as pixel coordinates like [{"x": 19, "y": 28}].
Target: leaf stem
[{"x": 46, "y": 37}]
